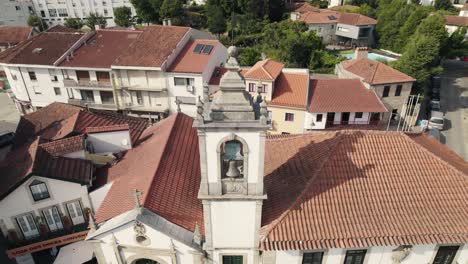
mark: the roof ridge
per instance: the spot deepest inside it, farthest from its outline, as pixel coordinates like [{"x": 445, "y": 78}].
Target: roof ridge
[
  {"x": 299, "y": 199},
  {"x": 265, "y": 70},
  {"x": 407, "y": 138},
  {"x": 375, "y": 71}
]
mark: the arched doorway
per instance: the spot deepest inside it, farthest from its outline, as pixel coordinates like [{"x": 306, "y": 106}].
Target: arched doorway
[{"x": 145, "y": 261}]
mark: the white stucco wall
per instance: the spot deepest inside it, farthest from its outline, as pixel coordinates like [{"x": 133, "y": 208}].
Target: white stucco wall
[
  {"x": 114, "y": 142},
  {"x": 181, "y": 90},
  {"x": 97, "y": 196},
  {"x": 20, "y": 201},
  {"x": 310, "y": 121},
  {"x": 214, "y": 138}
]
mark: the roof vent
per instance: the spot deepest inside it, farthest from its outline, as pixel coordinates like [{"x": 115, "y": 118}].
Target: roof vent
[
  {"x": 332, "y": 17},
  {"x": 37, "y": 50}
]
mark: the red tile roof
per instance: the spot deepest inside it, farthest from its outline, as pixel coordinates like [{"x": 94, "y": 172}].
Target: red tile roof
[
  {"x": 152, "y": 47},
  {"x": 62, "y": 29},
  {"x": 290, "y": 90},
  {"x": 360, "y": 189},
  {"x": 303, "y": 8},
  {"x": 374, "y": 72},
  {"x": 356, "y": 19},
  {"x": 343, "y": 95},
  {"x": 64, "y": 146},
  {"x": 59, "y": 120},
  {"x": 32, "y": 159},
  {"x": 189, "y": 62},
  {"x": 460, "y": 21},
  {"x": 42, "y": 49},
  {"x": 111, "y": 128},
  {"x": 102, "y": 49},
  {"x": 169, "y": 188},
  {"x": 10, "y": 35},
  {"x": 323, "y": 17},
  {"x": 265, "y": 70}
]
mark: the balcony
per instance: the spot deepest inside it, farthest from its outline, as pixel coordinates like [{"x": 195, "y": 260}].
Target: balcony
[
  {"x": 152, "y": 88},
  {"x": 370, "y": 124},
  {"x": 146, "y": 108},
  {"x": 91, "y": 104},
  {"x": 101, "y": 85}
]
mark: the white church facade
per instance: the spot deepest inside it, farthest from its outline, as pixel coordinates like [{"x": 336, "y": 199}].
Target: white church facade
[{"x": 216, "y": 189}]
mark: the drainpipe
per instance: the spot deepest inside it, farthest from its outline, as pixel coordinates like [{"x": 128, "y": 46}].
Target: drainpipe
[{"x": 25, "y": 87}]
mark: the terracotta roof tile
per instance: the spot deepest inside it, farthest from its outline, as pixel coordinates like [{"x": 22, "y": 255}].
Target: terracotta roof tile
[
  {"x": 102, "y": 49},
  {"x": 291, "y": 90},
  {"x": 343, "y": 95},
  {"x": 356, "y": 19},
  {"x": 42, "y": 49},
  {"x": 62, "y": 29},
  {"x": 265, "y": 70},
  {"x": 218, "y": 72},
  {"x": 461, "y": 21},
  {"x": 152, "y": 47},
  {"x": 323, "y": 17},
  {"x": 190, "y": 62},
  {"x": 374, "y": 72},
  {"x": 110, "y": 128},
  {"x": 64, "y": 146},
  {"x": 360, "y": 189},
  {"x": 302, "y": 7},
  {"x": 169, "y": 188},
  {"x": 10, "y": 35}
]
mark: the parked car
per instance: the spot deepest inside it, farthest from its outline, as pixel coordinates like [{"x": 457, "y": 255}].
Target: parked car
[
  {"x": 435, "y": 85},
  {"x": 436, "y": 121},
  {"x": 435, "y": 105},
  {"x": 6, "y": 138}
]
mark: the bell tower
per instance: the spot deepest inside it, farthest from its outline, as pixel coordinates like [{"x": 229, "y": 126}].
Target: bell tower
[{"x": 232, "y": 147}]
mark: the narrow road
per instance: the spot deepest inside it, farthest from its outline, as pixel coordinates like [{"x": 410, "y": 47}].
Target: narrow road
[{"x": 454, "y": 103}]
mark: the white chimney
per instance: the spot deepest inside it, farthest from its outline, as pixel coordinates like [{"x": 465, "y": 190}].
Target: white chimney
[
  {"x": 169, "y": 22},
  {"x": 97, "y": 27},
  {"x": 164, "y": 22}
]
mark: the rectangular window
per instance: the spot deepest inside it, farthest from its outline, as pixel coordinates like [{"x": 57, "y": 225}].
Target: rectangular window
[
  {"x": 252, "y": 87},
  {"x": 39, "y": 191},
  {"x": 82, "y": 75},
  {"x": 32, "y": 76},
  {"x": 107, "y": 97},
  {"x": 264, "y": 88},
  {"x": 319, "y": 118},
  {"x": 52, "y": 217},
  {"x": 139, "y": 97},
  {"x": 445, "y": 255},
  {"x": 358, "y": 115},
  {"x": 62, "y": 12},
  {"x": 355, "y": 256},
  {"x": 386, "y": 91},
  {"x": 75, "y": 212},
  {"x": 13, "y": 76},
  {"x": 57, "y": 91},
  {"x": 233, "y": 260},
  {"x": 27, "y": 226},
  {"x": 103, "y": 77},
  {"x": 106, "y": 12},
  {"x": 52, "y": 12},
  {"x": 36, "y": 90},
  {"x": 312, "y": 258},
  {"x": 17, "y": 8},
  {"x": 394, "y": 114},
  {"x": 53, "y": 75},
  {"x": 87, "y": 96},
  {"x": 179, "y": 81},
  {"x": 289, "y": 117},
  {"x": 398, "y": 90}
]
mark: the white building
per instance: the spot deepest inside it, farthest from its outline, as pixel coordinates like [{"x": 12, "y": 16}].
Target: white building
[
  {"x": 113, "y": 70},
  {"x": 56, "y": 11},
  {"x": 15, "y": 12},
  {"x": 217, "y": 190}
]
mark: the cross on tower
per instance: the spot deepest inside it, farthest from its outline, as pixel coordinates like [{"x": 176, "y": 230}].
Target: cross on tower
[{"x": 136, "y": 196}]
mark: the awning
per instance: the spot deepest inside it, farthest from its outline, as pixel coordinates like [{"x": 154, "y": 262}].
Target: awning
[{"x": 76, "y": 253}]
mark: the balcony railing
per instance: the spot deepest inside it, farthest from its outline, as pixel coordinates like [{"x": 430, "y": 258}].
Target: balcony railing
[
  {"x": 152, "y": 88},
  {"x": 352, "y": 124},
  {"x": 146, "y": 108},
  {"x": 85, "y": 103},
  {"x": 87, "y": 84}
]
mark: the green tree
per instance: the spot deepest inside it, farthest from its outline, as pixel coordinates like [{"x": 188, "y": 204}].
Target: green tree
[
  {"x": 172, "y": 9},
  {"x": 216, "y": 20},
  {"x": 391, "y": 16},
  {"x": 457, "y": 46},
  {"x": 75, "y": 23},
  {"x": 37, "y": 22},
  {"x": 249, "y": 56},
  {"x": 318, "y": 3},
  {"x": 94, "y": 20},
  {"x": 276, "y": 9},
  {"x": 147, "y": 10},
  {"x": 123, "y": 16},
  {"x": 443, "y": 5},
  {"x": 409, "y": 27}
]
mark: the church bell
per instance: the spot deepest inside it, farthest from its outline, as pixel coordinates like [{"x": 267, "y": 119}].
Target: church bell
[{"x": 233, "y": 171}]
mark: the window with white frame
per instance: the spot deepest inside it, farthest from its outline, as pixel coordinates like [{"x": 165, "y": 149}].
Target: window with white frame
[
  {"x": 52, "y": 12},
  {"x": 289, "y": 117},
  {"x": 62, "y": 12},
  {"x": 39, "y": 190},
  {"x": 312, "y": 257},
  {"x": 179, "y": 81},
  {"x": 57, "y": 91}
]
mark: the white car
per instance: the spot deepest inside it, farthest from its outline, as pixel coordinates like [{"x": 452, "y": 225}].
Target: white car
[{"x": 436, "y": 121}]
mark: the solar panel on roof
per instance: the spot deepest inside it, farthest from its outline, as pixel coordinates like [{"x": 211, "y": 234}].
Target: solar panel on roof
[
  {"x": 207, "y": 49},
  {"x": 198, "y": 48}
]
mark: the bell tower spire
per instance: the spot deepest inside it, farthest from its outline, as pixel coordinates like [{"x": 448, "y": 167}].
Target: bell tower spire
[{"x": 232, "y": 148}]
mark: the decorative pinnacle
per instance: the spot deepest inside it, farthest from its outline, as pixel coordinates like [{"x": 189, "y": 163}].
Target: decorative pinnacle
[{"x": 232, "y": 63}]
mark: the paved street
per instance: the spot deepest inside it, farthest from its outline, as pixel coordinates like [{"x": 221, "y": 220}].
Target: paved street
[{"x": 454, "y": 101}]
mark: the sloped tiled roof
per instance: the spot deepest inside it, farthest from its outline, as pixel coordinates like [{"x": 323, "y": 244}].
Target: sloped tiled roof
[
  {"x": 152, "y": 47},
  {"x": 63, "y": 29},
  {"x": 374, "y": 72},
  {"x": 33, "y": 159},
  {"x": 343, "y": 95},
  {"x": 356, "y": 19},
  {"x": 42, "y": 49},
  {"x": 302, "y": 7},
  {"x": 265, "y": 70},
  {"x": 189, "y": 62},
  {"x": 59, "y": 120},
  {"x": 360, "y": 189},
  {"x": 322, "y": 17},
  {"x": 13, "y": 35},
  {"x": 102, "y": 49},
  {"x": 165, "y": 167},
  {"x": 460, "y": 21},
  {"x": 64, "y": 146},
  {"x": 110, "y": 128},
  {"x": 290, "y": 90}
]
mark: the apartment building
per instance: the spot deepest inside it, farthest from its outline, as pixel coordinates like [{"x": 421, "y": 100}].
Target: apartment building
[
  {"x": 146, "y": 73},
  {"x": 56, "y": 11},
  {"x": 15, "y": 12},
  {"x": 338, "y": 28}
]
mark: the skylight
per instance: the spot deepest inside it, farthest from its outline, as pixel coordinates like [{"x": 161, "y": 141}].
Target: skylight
[
  {"x": 203, "y": 49},
  {"x": 207, "y": 49},
  {"x": 198, "y": 48}
]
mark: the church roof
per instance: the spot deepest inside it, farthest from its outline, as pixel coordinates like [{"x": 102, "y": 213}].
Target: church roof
[{"x": 359, "y": 189}]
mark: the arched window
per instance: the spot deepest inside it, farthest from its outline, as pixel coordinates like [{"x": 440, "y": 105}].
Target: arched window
[
  {"x": 145, "y": 261},
  {"x": 232, "y": 159}
]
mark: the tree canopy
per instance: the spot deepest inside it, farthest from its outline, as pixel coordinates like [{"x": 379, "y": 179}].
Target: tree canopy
[
  {"x": 148, "y": 10},
  {"x": 37, "y": 22},
  {"x": 216, "y": 20},
  {"x": 94, "y": 20},
  {"x": 75, "y": 23},
  {"x": 123, "y": 16}
]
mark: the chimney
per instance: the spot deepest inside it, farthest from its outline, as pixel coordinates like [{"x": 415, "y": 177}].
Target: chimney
[
  {"x": 169, "y": 22},
  {"x": 360, "y": 52},
  {"x": 97, "y": 27},
  {"x": 164, "y": 22}
]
